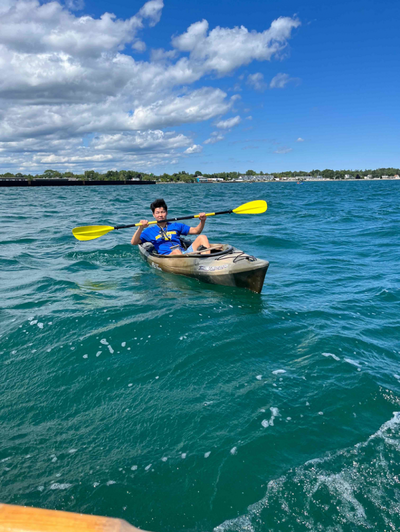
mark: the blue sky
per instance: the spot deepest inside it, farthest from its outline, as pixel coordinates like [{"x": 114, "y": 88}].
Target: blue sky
[{"x": 212, "y": 86}]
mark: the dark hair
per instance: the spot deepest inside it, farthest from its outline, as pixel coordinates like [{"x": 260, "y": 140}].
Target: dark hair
[{"x": 158, "y": 204}]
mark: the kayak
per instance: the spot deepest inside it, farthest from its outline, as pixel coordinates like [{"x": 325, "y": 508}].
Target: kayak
[{"x": 224, "y": 265}]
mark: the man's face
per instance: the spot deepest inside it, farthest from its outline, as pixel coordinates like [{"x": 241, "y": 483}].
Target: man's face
[{"x": 160, "y": 214}]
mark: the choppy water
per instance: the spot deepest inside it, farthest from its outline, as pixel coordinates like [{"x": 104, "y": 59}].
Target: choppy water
[{"x": 181, "y": 406}]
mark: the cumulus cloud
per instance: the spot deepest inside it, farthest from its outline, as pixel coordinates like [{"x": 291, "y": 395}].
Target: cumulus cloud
[
  {"x": 152, "y": 11},
  {"x": 196, "y": 148},
  {"x": 228, "y": 124},
  {"x": 281, "y": 80},
  {"x": 197, "y": 106},
  {"x": 224, "y": 49},
  {"x": 71, "y": 85},
  {"x": 257, "y": 82},
  {"x": 300, "y": 140}
]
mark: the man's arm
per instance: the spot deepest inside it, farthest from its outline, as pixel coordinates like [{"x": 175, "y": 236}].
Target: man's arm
[
  {"x": 136, "y": 237},
  {"x": 197, "y": 230}
]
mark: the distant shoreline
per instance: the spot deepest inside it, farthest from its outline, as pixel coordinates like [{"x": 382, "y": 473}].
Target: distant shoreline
[
  {"x": 280, "y": 180},
  {"x": 21, "y": 182}
]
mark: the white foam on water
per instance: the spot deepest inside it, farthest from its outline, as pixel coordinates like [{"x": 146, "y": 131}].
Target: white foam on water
[
  {"x": 164, "y": 458},
  {"x": 33, "y": 322},
  {"x": 110, "y": 349},
  {"x": 123, "y": 344},
  {"x": 148, "y": 467},
  {"x": 157, "y": 377},
  {"x": 5, "y": 459},
  {"x": 207, "y": 454},
  {"x": 56, "y": 486},
  {"x": 95, "y": 484},
  {"x": 134, "y": 468},
  {"x": 53, "y": 457},
  {"x": 40, "y": 488},
  {"x": 233, "y": 450},
  {"x": 85, "y": 356},
  {"x": 40, "y": 325},
  {"x": 98, "y": 353},
  {"x": 183, "y": 456},
  {"x": 352, "y": 362},
  {"x": 259, "y": 377},
  {"x": 357, "y": 475},
  {"x": 265, "y": 423},
  {"x": 31, "y": 318},
  {"x": 279, "y": 371},
  {"x": 72, "y": 451},
  {"x": 330, "y": 355},
  {"x": 130, "y": 384},
  {"x": 103, "y": 341},
  {"x": 110, "y": 482},
  {"x": 396, "y": 377}
]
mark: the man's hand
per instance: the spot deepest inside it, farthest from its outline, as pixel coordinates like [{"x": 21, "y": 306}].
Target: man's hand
[
  {"x": 202, "y": 216},
  {"x": 136, "y": 237}
]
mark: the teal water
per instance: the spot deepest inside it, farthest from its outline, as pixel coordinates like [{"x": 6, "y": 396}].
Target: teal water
[{"x": 178, "y": 406}]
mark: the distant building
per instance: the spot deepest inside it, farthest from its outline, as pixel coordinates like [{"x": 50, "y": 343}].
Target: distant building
[
  {"x": 202, "y": 179},
  {"x": 258, "y": 177}
]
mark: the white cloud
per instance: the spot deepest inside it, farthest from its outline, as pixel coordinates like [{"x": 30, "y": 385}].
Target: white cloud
[
  {"x": 283, "y": 150},
  {"x": 152, "y": 11},
  {"x": 66, "y": 77},
  {"x": 228, "y": 124},
  {"x": 140, "y": 142},
  {"x": 73, "y": 5},
  {"x": 281, "y": 80},
  {"x": 197, "y": 106},
  {"x": 257, "y": 81},
  {"x": 139, "y": 46},
  {"x": 300, "y": 140},
  {"x": 196, "y": 148},
  {"x": 215, "y": 137},
  {"x": 225, "y": 49}
]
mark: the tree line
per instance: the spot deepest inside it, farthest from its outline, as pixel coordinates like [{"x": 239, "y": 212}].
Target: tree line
[{"x": 185, "y": 177}]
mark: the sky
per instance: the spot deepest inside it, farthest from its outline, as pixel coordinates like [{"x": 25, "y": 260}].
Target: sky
[{"x": 171, "y": 85}]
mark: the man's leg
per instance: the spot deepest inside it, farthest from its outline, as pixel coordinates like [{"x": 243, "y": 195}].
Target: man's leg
[
  {"x": 201, "y": 240},
  {"x": 176, "y": 251}
]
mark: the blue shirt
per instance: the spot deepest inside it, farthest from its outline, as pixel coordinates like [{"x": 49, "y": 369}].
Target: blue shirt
[{"x": 164, "y": 239}]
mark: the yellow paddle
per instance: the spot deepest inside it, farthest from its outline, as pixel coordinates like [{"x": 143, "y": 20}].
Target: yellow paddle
[{"x": 90, "y": 232}]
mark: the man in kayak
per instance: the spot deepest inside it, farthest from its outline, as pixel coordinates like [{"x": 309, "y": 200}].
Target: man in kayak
[{"x": 165, "y": 236}]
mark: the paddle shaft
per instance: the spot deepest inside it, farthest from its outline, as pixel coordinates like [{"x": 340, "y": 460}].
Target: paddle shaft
[{"x": 175, "y": 219}]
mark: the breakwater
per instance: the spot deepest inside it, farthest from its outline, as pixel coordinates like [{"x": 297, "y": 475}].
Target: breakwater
[{"x": 15, "y": 182}]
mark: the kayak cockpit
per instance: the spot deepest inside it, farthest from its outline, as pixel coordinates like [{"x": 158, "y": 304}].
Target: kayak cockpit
[{"x": 215, "y": 250}]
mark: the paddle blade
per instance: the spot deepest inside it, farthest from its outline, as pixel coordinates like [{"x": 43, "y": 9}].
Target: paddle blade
[
  {"x": 253, "y": 207},
  {"x": 90, "y": 232}
]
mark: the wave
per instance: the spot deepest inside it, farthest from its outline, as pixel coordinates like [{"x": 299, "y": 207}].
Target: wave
[{"x": 352, "y": 489}]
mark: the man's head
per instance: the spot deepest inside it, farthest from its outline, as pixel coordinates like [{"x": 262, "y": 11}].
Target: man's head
[{"x": 159, "y": 209}]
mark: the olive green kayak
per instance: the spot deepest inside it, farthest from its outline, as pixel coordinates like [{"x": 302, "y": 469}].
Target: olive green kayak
[{"x": 224, "y": 265}]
